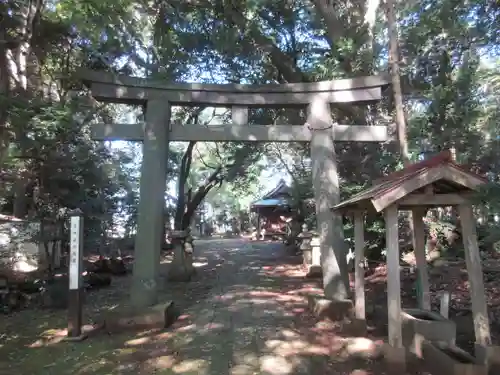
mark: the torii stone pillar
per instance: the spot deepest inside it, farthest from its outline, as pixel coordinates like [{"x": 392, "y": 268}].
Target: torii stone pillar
[
  {"x": 327, "y": 193},
  {"x": 151, "y": 204}
]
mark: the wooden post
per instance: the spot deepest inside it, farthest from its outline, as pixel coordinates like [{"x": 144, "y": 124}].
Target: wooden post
[
  {"x": 393, "y": 281},
  {"x": 151, "y": 204},
  {"x": 75, "y": 297},
  {"x": 423, "y": 276},
  {"x": 359, "y": 271},
  {"x": 258, "y": 226},
  {"x": 444, "y": 308},
  {"x": 474, "y": 269},
  {"x": 327, "y": 194}
]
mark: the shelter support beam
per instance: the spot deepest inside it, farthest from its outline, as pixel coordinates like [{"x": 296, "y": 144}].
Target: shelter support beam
[
  {"x": 326, "y": 192},
  {"x": 418, "y": 214},
  {"x": 151, "y": 205},
  {"x": 432, "y": 200}
]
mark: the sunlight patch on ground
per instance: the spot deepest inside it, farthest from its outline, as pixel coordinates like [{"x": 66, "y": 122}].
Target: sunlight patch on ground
[
  {"x": 243, "y": 369},
  {"x": 56, "y": 335},
  {"x": 191, "y": 366},
  {"x": 275, "y": 365},
  {"x": 126, "y": 351},
  {"x": 233, "y": 250},
  {"x": 138, "y": 341},
  {"x": 212, "y": 326},
  {"x": 152, "y": 365},
  {"x": 200, "y": 264},
  {"x": 296, "y": 347},
  {"x": 163, "y": 336},
  {"x": 188, "y": 328},
  {"x": 94, "y": 366}
]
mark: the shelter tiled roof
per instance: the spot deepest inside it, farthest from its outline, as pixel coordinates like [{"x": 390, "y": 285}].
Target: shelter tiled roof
[{"x": 441, "y": 171}]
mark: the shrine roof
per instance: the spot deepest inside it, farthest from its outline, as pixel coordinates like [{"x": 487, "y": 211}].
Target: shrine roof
[
  {"x": 441, "y": 172},
  {"x": 279, "y": 196},
  {"x": 280, "y": 190},
  {"x": 271, "y": 202}
]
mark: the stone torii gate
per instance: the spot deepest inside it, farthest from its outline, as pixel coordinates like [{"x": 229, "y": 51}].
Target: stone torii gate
[{"x": 158, "y": 131}]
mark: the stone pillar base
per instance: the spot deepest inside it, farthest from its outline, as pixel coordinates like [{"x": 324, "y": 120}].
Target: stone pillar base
[
  {"x": 395, "y": 358},
  {"x": 489, "y": 355},
  {"x": 358, "y": 327},
  {"x": 179, "y": 274},
  {"x": 333, "y": 310},
  {"x": 155, "y": 317},
  {"x": 445, "y": 359},
  {"x": 313, "y": 271}
]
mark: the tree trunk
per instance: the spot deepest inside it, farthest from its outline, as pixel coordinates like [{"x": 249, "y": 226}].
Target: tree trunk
[
  {"x": 5, "y": 90},
  {"x": 182, "y": 268},
  {"x": 398, "y": 97},
  {"x": 396, "y": 82},
  {"x": 212, "y": 181},
  {"x": 185, "y": 169},
  {"x": 17, "y": 60}
]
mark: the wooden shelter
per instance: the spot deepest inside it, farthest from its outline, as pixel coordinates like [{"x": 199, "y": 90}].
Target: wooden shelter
[
  {"x": 435, "y": 182},
  {"x": 276, "y": 208}
]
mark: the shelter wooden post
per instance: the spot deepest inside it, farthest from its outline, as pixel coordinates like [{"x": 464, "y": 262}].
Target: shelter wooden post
[
  {"x": 326, "y": 191},
  {"x": 418, "y": 214},
  {"x": 359, "y": 271},
  {"x": 474, "y": 269},
  {"x": 393, "y": 277},
  {"x": 151, "y": 204}
]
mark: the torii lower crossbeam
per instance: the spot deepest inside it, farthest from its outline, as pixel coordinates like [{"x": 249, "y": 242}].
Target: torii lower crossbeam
[{"x": 239, "y": 133}]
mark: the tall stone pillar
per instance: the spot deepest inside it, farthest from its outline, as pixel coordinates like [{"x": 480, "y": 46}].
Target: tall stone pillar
[
  {"x": 327, "y": 194},
  {"x": 151, "y": 204}
]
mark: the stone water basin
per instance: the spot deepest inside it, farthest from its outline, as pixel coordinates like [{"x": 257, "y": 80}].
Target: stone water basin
[{"x": 419, "y": 325}]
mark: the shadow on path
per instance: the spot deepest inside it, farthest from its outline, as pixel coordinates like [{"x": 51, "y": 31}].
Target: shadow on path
[
  {"x": 244, "y": 314},
  {"x": 254, "y": 321}
]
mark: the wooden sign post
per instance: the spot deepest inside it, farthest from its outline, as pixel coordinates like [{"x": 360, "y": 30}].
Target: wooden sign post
[{"x": 75, "y": 297}]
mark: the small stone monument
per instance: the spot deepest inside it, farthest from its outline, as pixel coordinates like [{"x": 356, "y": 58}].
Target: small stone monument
[
  {"x": 182, "y": 268},
  {"x": 309, "y": 247}
]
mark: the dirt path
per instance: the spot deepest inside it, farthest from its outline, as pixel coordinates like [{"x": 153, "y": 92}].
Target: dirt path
[
  {"x": 255, "y": 321},
  {"x": 244, "y": 314}
]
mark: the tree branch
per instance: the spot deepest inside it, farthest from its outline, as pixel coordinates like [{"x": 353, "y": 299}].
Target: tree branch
[{"x": 212, "y": 181}]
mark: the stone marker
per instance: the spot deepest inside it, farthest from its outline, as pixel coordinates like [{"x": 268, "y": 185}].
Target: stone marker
[{"x": 160, "y": 316}]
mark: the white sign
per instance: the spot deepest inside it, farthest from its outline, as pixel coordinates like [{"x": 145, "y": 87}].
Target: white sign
[
  {"x": 75, "y": 248},
  {"x": 316, "y": 256}
]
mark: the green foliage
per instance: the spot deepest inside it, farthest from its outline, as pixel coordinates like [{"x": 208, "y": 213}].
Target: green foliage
[{"x": 449, "y": 61}]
